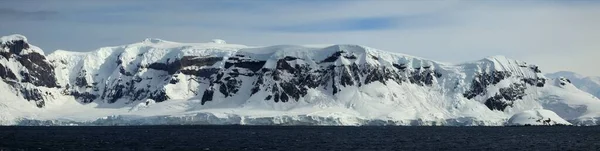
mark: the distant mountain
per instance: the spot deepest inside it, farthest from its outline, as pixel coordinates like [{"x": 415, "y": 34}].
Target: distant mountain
[
  {"x": 588, "y": 84},
  {"x": 162, "y": 82}
]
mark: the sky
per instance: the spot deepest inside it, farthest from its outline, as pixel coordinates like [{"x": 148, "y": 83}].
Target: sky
[{"x": 556, "y": 35}]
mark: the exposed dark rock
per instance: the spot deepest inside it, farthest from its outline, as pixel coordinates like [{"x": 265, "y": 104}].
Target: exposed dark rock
[
  {"x": 535, "y": 69},
  {"x": 374, "y": 58},
  {"x": 506, "y": 97},
  {"x": 171, "y": 68},
  {"x": 514, "y": 92},
  {"x": 115, "y": 93},
  {"x": 207, "y": 96},
  {"x": 81, "y": 81},
  {"x": 41, "y": 72},
  {"x": 437, "y": 74},
  {"x": 34, "y": 95},
  {"x": 334, "y": 78},
  {"x": 496, "y": 103},
  {"x": 295, "y": 91},
  {"x": 26, "y": 77},
  {"x": 15, "y": 47},
  {"x": 219, "y": 76},
  {"x": 123, "y": 72},
  {"x": 276, "y": 98},
  {"x": 84, "y": 97},
  {"x": 203, "y": 73},
  {"x": 255, "y": 89},
  {"x": 334, "y": 84},
  {"x": 333, "y": 57},
  {"x": 282, "y": 64},
  {"x": 229, "y": 87},
  {"x": 174, "y": 80},
  {"x": 355, "y": 72},
  {"x": 374, "y": 74},
  {"x": 424, "y": 76},
  {"x": 284, "y": 97},
  {"x": 563, "y": 81},
  {"x": 539, "y": 82},
  {"x": 6, "y": 73},
  {"x": 199, "y": 61},
  {"x": 185, "y": 61},
  {"x": 257, "y": 84},
  {"x": 350, "y": 57},
  {"x": 136, "y": 79},
  {"x": 252, "y": 65},
  {"x": 159, "y": 96},
  {"x": 399, "y": 66},
  {"x": 140, "y": 94},
  {"x": 483, "y": 80},
  {"x": 289, "y": 58},
  {"x": 346, "y": 78}
]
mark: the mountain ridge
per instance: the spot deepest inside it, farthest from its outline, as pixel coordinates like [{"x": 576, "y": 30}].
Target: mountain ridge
[{"x": 349, "y": 84}]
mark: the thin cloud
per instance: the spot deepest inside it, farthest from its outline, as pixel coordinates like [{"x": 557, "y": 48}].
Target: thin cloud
[
  {"x": 12, "y": 14},
  {"x": 351, "y": 24},
  {"x": 374, "y": 23}
]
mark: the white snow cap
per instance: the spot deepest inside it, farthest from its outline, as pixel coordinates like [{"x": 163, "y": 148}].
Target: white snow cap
[
  {"x": 218, "y": 41},
  {"x": 13, "y": 37},
  {"x": 153, "y": 40},
  {"x": 18, "y": 37}
]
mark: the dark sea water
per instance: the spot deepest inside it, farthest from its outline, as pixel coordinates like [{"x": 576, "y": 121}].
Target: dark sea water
[{"x": 298, "y": 138}]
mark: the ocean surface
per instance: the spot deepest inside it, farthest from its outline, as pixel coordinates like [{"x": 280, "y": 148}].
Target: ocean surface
[{"x": 298, "y": 138}]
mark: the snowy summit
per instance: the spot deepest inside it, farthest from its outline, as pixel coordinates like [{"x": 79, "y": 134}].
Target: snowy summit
[
  {"x": 218, "y": 41},
  {"x": 14, "y": 37}
]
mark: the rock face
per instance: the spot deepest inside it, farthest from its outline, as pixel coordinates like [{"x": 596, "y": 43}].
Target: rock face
[
  {"x": 537, "y": 117},
  {"x": 221, "y": 75}
]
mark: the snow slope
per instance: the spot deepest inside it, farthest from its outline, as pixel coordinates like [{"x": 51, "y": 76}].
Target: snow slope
[
  {"x": 537, "y": 117},
  {"x": 162, "y": 82}
]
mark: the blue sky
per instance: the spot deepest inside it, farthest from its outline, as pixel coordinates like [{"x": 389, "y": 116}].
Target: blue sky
[{"x": 557, "y": 35}]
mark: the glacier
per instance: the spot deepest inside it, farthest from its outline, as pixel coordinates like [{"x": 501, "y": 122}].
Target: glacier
[{"x": 160, "y": 82}]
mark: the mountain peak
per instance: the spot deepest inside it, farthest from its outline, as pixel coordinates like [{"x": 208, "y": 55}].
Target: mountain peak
[
  {"x": 13, "y": 37},
  {"x": 501, "y": 58},
  {"x": 218, "y": 41},
  {"x": 153, "y": 40},
  {"x": 18, "y": 45}
]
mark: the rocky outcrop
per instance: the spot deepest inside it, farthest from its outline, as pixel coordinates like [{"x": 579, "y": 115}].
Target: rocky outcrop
[
  {"x": 23, "y": 65},
  {"x": 505, "y": 96}
]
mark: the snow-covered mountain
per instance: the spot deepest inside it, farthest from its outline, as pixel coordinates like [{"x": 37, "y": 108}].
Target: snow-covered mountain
[
  {"x": 590, "y": 84},
  {"x": 162, "y": 82}
]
